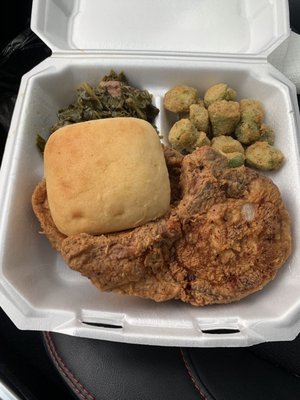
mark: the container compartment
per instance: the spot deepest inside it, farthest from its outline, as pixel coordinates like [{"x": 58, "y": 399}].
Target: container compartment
[{"x": 40, "y": 292}]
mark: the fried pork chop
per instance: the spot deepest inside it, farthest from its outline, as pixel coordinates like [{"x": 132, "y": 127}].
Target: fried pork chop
[{"x": 226, "y": 235}]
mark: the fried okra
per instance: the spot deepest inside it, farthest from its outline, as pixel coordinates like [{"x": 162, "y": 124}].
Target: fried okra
[
  {"x": 232, "y": 126},
  {"x": 252, "y": 116},
  {"x": 247, "y": 132},
  {"x": 263, "y": 156},
  {"x": 266, "y": 134},
  {"x": 252, "y": 110},
  {"x": 221, "y": 91},
  {"x": 224, "y": 117},
  {"x": 202, "y": 140},
  {"x": 235, "y": 159},
  {"x": 185, "y": 138},
  {"x": 226, "y": 144},
  {"x": 198, "y": 115},
  {"x": 230, "y": 148},
  {"x": 179, "y": 98}
]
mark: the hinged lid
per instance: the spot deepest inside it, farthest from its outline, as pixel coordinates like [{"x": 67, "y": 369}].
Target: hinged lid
[{"x": 243, "y": 27}]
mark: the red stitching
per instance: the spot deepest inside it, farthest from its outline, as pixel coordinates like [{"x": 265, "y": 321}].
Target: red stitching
[
  {"x": 203, "y": 397},
  {"x": 65, "y": 371}
]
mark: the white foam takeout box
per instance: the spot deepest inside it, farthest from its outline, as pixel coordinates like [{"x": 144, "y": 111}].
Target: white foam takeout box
[{"x": 158, "y": 44}]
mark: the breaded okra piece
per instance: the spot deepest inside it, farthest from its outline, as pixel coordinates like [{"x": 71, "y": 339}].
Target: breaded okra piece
[
  {"x": 226, "y": 144},
  {"x": 179, "y": 98},
  {"x": 224, "y": 117},
  {"x": 266, "y": 134},
  {"x": 230, "y": 148},
  {"x": 252, "y": 116},
  {"x": 221, "y": 91},
  {"x": 198, "y": 115},
  {"x": 235, "y": 159},
  {"x": 202, "y": 140},
  {"x": 252, "y": 110},
  {"x": 263, "y": 156},
  {"x": 183, "y": 136}
]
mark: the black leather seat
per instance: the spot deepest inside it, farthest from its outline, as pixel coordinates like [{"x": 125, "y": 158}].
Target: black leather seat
[{"x": 116, "y": 371}]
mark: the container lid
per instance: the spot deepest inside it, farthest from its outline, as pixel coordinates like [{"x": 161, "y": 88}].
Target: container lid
[{"x": 243, "y": 27}]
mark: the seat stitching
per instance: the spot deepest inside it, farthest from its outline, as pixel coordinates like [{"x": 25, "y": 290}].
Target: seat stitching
[
  {"x": 203, "y": 396},
  {"x": 65, "y": 371}
]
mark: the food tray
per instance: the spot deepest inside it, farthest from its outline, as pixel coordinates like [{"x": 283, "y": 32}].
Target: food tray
[{"x": 37, "y": 290}]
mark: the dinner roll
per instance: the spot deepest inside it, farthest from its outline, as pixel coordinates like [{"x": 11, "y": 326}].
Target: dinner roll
[{"x": 105, "y": 175}]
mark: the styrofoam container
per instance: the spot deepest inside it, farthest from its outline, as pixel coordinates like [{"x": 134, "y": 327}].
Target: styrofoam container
[{"x": 157, "y": 44}]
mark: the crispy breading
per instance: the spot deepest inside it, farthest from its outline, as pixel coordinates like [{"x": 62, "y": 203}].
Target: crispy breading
[
  {"x": 41, "y": 209},
  {"x": 226, "y": 235}
]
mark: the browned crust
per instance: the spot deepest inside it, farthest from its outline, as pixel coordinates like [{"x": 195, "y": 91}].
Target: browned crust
[
  {"x": 206, "y": 250},
  {"x": 41, "y": 209}
]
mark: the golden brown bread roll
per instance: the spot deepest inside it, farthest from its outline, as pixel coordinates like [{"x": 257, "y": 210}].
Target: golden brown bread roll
[{"x": 105, "y": 175}]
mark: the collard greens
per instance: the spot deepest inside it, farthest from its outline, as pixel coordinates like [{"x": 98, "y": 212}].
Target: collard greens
[{"x": 113, "y": 97}]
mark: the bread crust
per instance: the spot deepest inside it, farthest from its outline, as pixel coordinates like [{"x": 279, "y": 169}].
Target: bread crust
[{"x": 105, "y": 176}]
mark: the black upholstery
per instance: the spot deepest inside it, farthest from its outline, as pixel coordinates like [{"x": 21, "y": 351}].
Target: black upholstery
[
  {"x": 116, "y": 371},
  {"x": 120, "y": 371}
]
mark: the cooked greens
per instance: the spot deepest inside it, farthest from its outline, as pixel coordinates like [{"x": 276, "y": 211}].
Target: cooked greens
[{"x": 113, "y": 97}]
